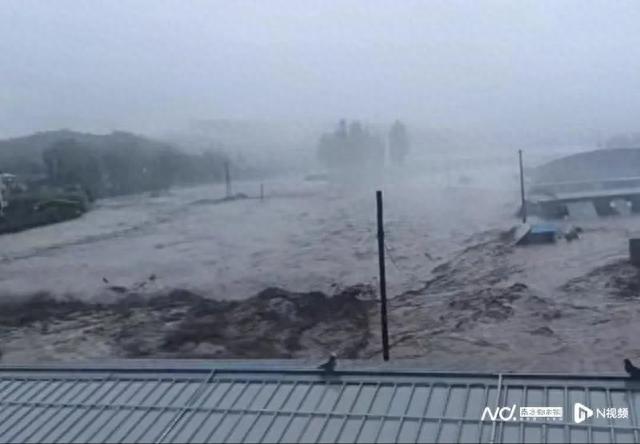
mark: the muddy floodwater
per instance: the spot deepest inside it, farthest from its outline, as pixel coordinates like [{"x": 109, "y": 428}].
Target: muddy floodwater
[{"x": 295, "y": 276}]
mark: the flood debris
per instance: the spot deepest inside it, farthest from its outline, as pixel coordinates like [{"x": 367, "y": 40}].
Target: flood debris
[
  {"x": 230, "y": 198},
  {"x": 123, "y": 289},
  {"x": 275, "y": 323},
  {"x": 573, "y": 233}
]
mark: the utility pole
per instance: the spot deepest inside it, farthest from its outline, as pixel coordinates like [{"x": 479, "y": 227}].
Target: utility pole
[
  {"x": 227, "y": 178},
  {"x": 523, "y": 202},
  {"x": 383, "y": 280}
]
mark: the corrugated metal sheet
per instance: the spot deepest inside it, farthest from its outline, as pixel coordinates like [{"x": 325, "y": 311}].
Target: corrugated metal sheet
[{"x": 267, "y": 405}]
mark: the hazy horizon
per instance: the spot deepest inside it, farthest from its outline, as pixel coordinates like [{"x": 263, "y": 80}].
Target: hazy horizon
[{"x": 502, "y": 66}]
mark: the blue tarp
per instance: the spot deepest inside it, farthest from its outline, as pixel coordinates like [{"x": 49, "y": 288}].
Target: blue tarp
[
  {"x": 544, "y": 228},
  {"x": 536, "y": 233}
]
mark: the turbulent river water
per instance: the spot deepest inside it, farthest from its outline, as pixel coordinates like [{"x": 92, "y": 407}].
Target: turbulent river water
[{"x": 295, "y": 275}]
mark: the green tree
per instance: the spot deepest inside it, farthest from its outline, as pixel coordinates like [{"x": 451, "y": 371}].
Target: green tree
[
  {"x": 350, "y": 145},
  {"x": 69, "y": 163}
]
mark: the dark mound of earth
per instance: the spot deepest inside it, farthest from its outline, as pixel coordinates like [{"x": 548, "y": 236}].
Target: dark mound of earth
[{"x": 275, "y": 323}]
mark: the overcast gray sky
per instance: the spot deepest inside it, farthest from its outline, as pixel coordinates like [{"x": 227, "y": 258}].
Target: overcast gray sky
[{"x": 456, "y": 64}]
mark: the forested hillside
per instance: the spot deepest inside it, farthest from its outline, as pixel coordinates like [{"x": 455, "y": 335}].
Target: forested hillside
[{"x": 107, "y": 165}]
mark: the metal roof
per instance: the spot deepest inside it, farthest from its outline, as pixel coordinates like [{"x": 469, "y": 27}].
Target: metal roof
[
  {"x": 576, "y": 196},
  {"x": 596, "y": 183},
  {"x": 259, "y": 404}
]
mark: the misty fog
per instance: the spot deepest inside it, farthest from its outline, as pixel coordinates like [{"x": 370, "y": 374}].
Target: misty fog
[{"x": 529, "y": 69}]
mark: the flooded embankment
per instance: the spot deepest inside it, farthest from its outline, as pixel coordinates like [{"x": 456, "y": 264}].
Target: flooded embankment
[{"x": 295, "y": 276}]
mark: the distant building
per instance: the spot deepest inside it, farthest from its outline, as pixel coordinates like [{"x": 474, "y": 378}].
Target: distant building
[
  {"x": 6, "y": 180},
  {"x": 3, "y": 198}
]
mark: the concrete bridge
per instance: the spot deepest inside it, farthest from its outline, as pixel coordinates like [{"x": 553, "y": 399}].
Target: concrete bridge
[{"x": 552, "y": 199}]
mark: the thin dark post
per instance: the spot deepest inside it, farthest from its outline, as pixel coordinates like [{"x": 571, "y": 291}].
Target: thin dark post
[
  {"x": 261, "y": 191},
  {"x": 634, "y": 251},
  {"x": 524, "y": 204},
  {"x": 227, "y": 178},
  {"x": 383, "y": 280}
]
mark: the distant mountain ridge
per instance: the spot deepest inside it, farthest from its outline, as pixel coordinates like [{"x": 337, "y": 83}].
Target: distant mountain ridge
[{"x": 23, "y": 155}]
